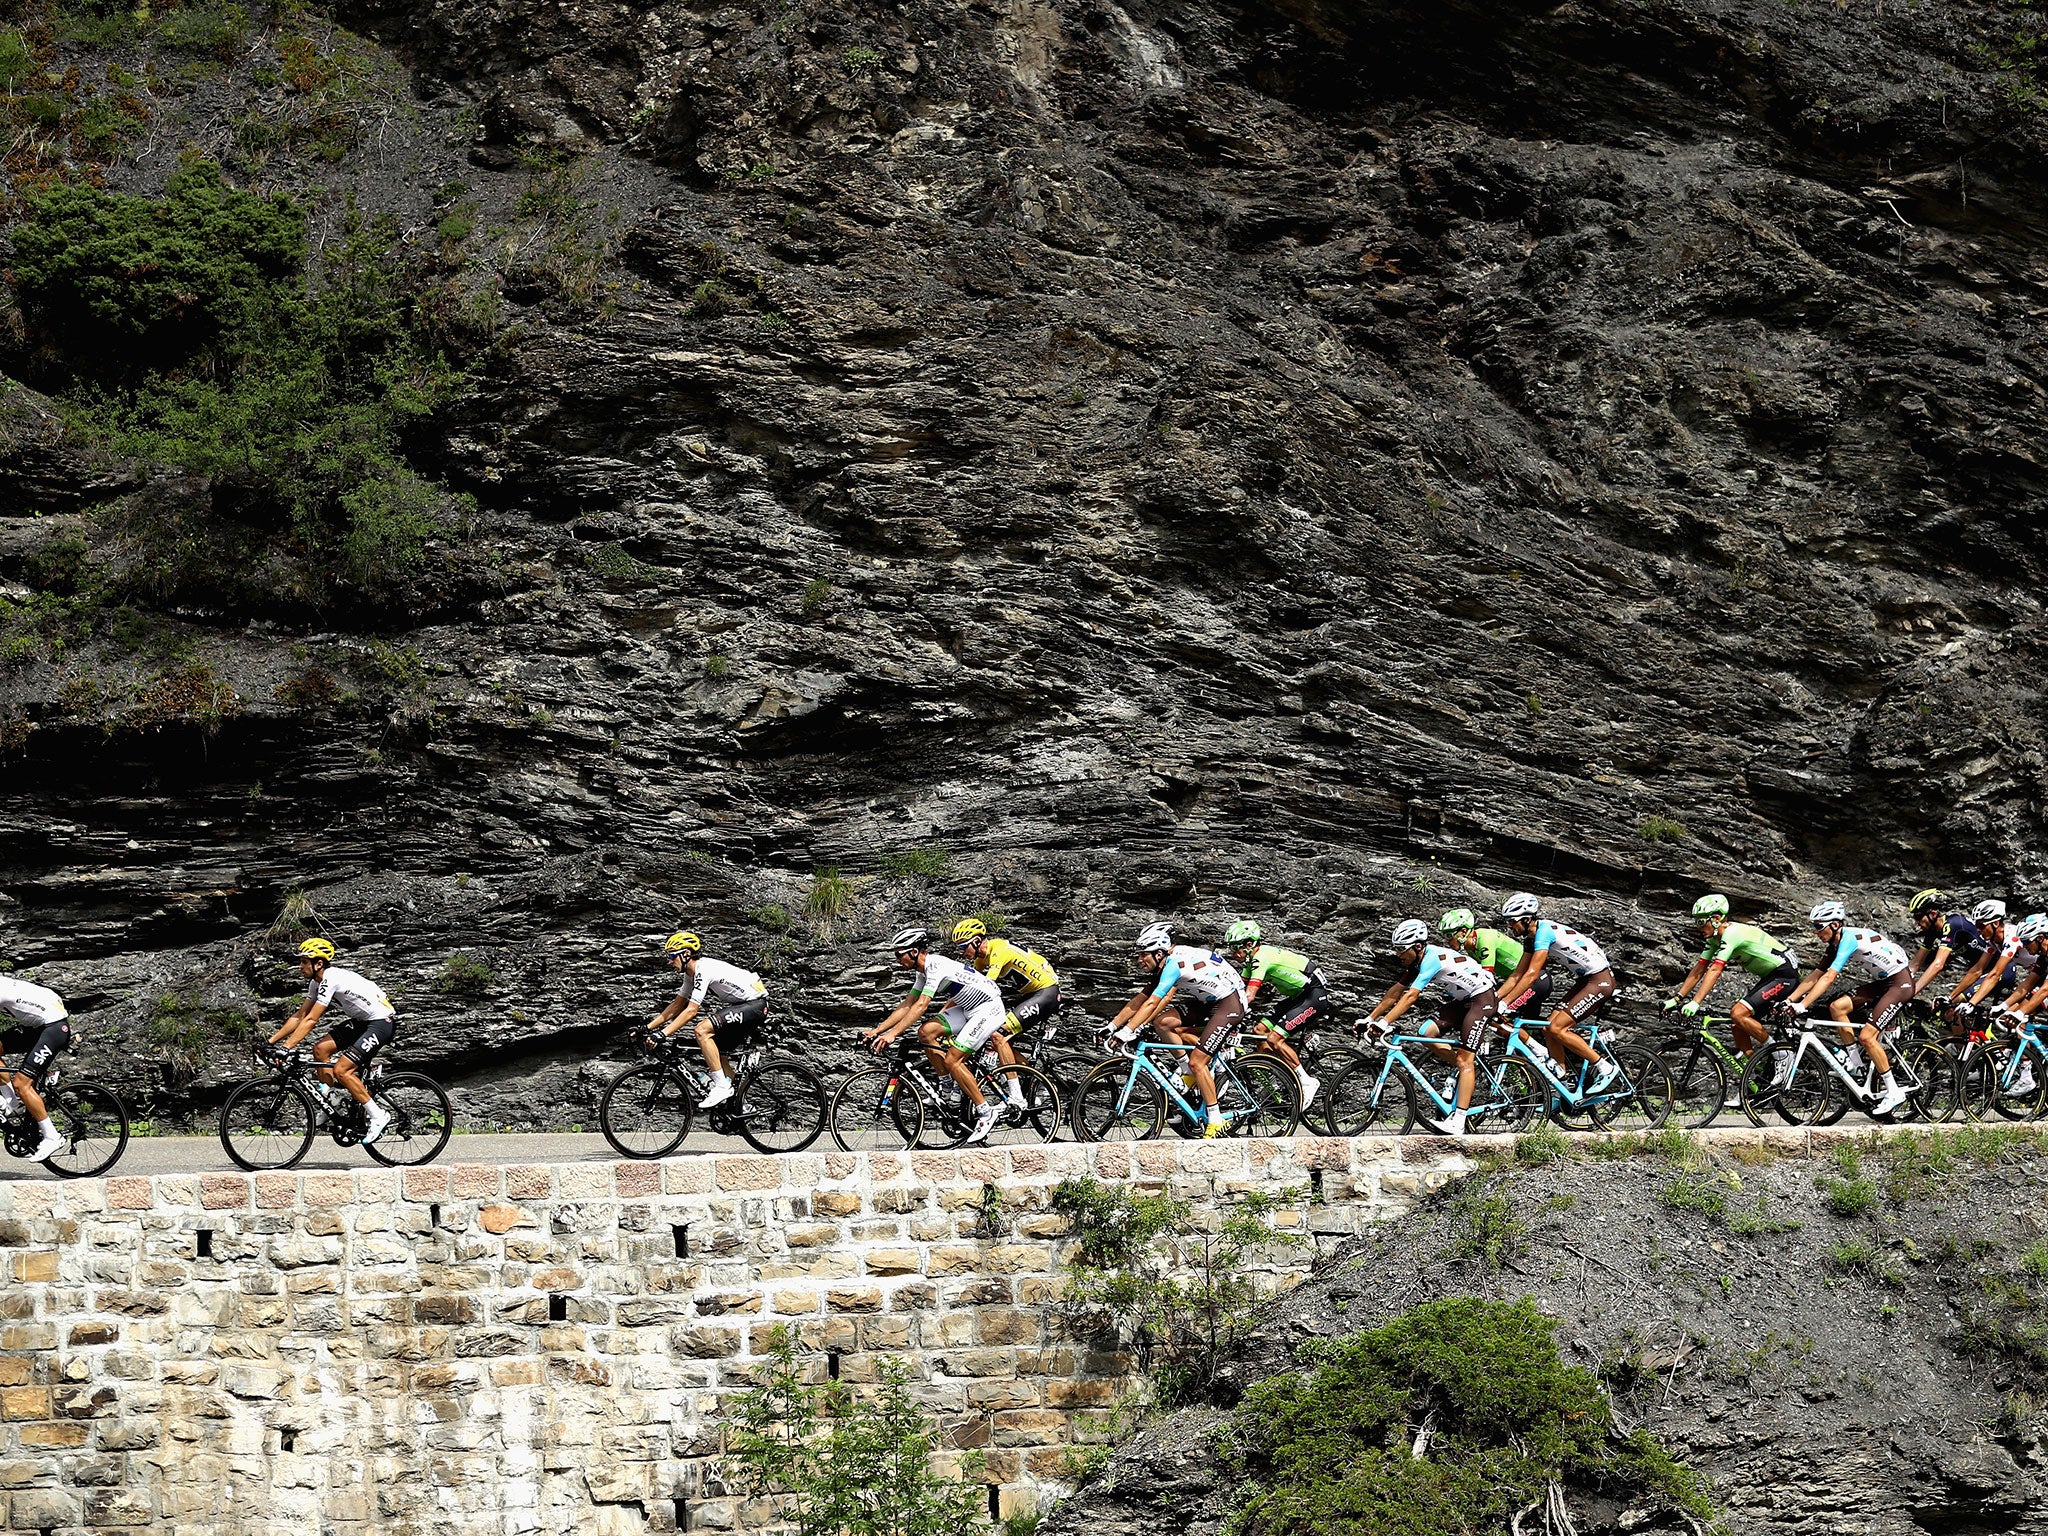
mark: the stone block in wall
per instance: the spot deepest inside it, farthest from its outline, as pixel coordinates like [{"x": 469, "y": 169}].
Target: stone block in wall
[
  {"x": 960, "y": 1260},
  {"x": 1003, "y": 1325},
  {"x": 840, "y": 1333},
  {"x": 918, "y": 1296},
  {"x": 736, "y": 1171},
  {"x": 33, "y": 1509},
  {"x": 705, "y": 1342},
  {"x": 854, "y": 1298},
  {"x": 1015, "y": 1259},
  {"x": 893, "y": 1261},
  {"x": 56, "y": 1434},
  {"x": 978, "y": 1362},
  {"x": 1083, "y": 1393},
  {"x": 1030, "y": 1426},
  {"x": 986, "y": 1396},
  {"x": 982, "y": 1291}
]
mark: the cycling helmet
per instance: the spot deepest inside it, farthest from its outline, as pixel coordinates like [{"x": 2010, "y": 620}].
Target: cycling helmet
[
  {"x": 1988, "y": 912},
  {"x": 968, "y": 929},
  {"x": 2035, "y": 927},
  {"x": 1925, "y": 900},
  {"x": 1828, "y": 912},
  {"x": 1243, "y": 931},
  {"x": 1457, "y": 920},
  {"x": 910, "y": 939},
  {"x": 1520, "y": 905},
  {"x": 316, "y": 949},
  {"x": 1154, "y": 939},
  {"x": 1407, "y": 935},
  {"x": 683, "y": 944},
  {"x": 1710, "y": 906}
]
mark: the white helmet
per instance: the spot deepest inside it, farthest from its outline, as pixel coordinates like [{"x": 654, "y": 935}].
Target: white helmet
[
  {"x": 2035, "y": 927},
  {"x": 1521, "y": 904},
  {"x": 1828, "y": 912},
  {"x": 910, "y": 939},
  {"x": 1414, "y": 931},
  {"x": 1154, "y": 939},
  {"x": 1988, "y": 912}
]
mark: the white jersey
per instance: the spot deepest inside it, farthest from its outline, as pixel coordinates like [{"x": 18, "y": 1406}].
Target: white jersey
[
  {"x": 1868, "y": 951},
  {"x": 1203, "y": 972},
  {"x": 956, "y": 985},
  {"x": 345, "y": 992},
  {"x": 29, "y": 1003},
  {"x": 1571, "y": 947},
  {"x": 1457, "y": 976},
  {"x": 721, "y": 983}
]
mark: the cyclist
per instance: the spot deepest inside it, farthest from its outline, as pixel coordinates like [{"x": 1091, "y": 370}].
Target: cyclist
[
  {"x": 1593, "y": 980},
  {"x": 1997, "y": 964},
  {"x": 1470, "y": 1005},
  {"x": 1296, "y": 981},
  {"x": 738, "y": 1008},
  {"x": 1775, "y": 967},
  {"x": 40, "y": 1028},
  {"x": 1197, "y": 998},
  {"x": 2023, "y": 1007},
  {"x": 1026, "y": 978},
  {"x": 347, "y": 1050},
  {"x": 1497, "y": 951},
  {"x": 970, "y": 1011},
  {"x": 1882, "y": 998},
  {"x": 1943, "y": 935}
]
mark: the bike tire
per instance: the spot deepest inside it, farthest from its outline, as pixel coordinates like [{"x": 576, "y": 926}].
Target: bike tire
[
  {"x": 1699, "y": 1090},
  {"x": 95, "y": 1126},
  {"x": 1036, "y": 1122},
  {"x": 1814, "y": 1095},
  {"x": 781, "y": 1106},
  {"x": 1646, "y": 1104},
  {"x": 422, "y": 1120},
  {"x": 1328, "y": 1065},
  {"x": 646, "y": 1111},
  {"x": 1761, "y": 1093},
  {"x": 875, "y": 1111},
  {"x": 1519, "y": 1097},
  {"x": 1938, "y": 1096},
  {"x": 1987, "y": 1096},
  {"x": 1095, "y": 1114},
  {"x": 1351, "y": 1102},
  {"x": 267, "y": 1124},
  {"x": 1260, "y": 1097}
]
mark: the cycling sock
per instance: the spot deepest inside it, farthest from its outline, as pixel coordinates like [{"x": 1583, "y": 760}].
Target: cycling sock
[{"x": 1889, "y": 1085}]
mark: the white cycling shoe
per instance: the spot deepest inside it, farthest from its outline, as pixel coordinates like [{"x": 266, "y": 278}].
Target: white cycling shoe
[
  {"x": 1889, "y": 1100},
  {"x": 1451, "y": 1125},
  {"x": 984, "y": 1122},
  {"x": 721, "y": 1090},
  {"x": 52, "y": 1140},
  {"x": 380, "y": 1118},
  {"x": 1310, "y": 1087},
  {"x": 1604, "y": 1078}
]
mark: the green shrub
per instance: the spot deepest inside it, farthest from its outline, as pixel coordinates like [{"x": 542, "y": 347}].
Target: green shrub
[
  {"x": 917, "y": 864},
  {"x": 17, "y": 61},
  {"x": 817, "y": 593},
  {"x": 774, "y": 917},
  {"x": 1485, "y": 1230},
  {"x": 830, "y": 895},
  {"x": 1458, "y": 1416},
  {"x": 1660, "y": 829},
  {"x": 221, "y": 31},
  {"x": 1689, "y": 1193},
  {"x": 464, "y": 975},
  {"x": 183, "y": 1027}
]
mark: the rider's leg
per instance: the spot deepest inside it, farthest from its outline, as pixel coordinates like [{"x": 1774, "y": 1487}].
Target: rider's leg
[
  {"x": 323, "y": 1053},
  {"x": 1198, "y": 1069},
  {"x": 345, "y": 1073},
  {"x": 1749, "y": 1034},
  {"x": 706, "y": 1030},
  {"x": 1873, "y": 1047},
  {"x": 1562, "y": 1039},
  {"x": 1466, "y": 1060},
  {"x": 1270, "y": 1039},
  {"x": 25, "y": 1088}
]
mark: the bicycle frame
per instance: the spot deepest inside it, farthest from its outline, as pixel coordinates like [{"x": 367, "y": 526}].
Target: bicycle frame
[
  {"x": 1483, "y": 1069},
  {"x": 1574, "y": 1097},
  {"x": 1141, "y": 1061},
  {"x": 1835, "y": 1057}
]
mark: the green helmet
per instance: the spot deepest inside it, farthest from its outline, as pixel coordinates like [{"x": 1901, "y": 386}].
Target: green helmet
[
  {"x": 1710, "y": 906},
  {"x": 1243, "y": 931},
  {"x": 1457, "y": 920}
]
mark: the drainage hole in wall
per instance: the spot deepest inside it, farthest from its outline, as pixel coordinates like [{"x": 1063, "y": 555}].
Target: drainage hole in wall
[
  {"x": 995, "y": 1504},
  {"x": 433, "y": 1215},
  {"x": 286, "y": 1438},
  {"x": 1315, "y": 1182},
  {"x": 832, "y": 1363},
  {"x": 682, "y": 1515},
  {"x": 558, "y": 1309},
  {"x": 682, "y": 1241},
  {"x": 205, "y": 1243}
]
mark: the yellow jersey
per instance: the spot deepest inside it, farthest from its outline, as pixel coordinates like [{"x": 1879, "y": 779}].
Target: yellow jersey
[{"x": 1024, "y": 968}]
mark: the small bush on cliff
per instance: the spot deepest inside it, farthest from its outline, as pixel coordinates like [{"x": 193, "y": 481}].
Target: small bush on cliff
[
  {"x": 1457, "y": 1416},
  {"x": 841, "y": 1464}
]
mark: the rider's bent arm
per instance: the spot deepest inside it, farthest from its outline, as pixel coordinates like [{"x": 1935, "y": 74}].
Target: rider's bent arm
[
  {"x": 1709, "y": 980},
  {"x": 677, "y": 1014},
  {"x": 1985, "y": 987},
  {"x": 1691, "y": 977},
  {"x": 1934, "y": 967},
  {"x": 1969, "y": 979},
  {"x": 1401, "y": 1004},
  {"x": 1815, "y": 986},
  {"x": 299, "y": 1025},
  {"x": 1525, "y": 974}
]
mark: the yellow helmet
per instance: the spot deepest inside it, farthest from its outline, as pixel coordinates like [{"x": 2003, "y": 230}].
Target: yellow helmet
[
  {"x": 683, "y": 944},
  {"x": 316, "y": 949},
  {"x": 968, "y": 929}
]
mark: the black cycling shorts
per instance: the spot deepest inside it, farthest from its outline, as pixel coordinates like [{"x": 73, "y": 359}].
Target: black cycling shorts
[
  {"x": 1034, "y": 1006},
  {"x": 1465, "y": 1019},
  {"x": 32, "y": 1047},
  {"x": 1304, "y": 1008},
  {"x": 1772, "y": 989},
  {"x": 736, "y": 1026},
  {"x": 1537, "y": 1004},
  {"x": 1589, "y": 994},
  {"x": 1881, "y": 1001},
  {"x": 1212, "y": 1021},
  {"x": 365, "y": 1038}
]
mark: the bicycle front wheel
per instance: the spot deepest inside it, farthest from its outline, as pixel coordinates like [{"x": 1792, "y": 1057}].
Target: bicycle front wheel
[
  {"x": 422, "y": 1120},
  {"x": 1999, "y": 1087},
  {"x": 1813, "y": 1095},
  {"x": 267, "y": 1124},
  {"x": 95, "y": 1126},
  {"x": 1699, "y": 1089},
  {"x": 1332, "y": 1063},
  {"x": 1103, "y": 1112},
  {"x": 1260, "y": 1097},
  {"x": 782, "y": 1106},
  {"x": 1642, "y": 1100},
  {"x": 1352, "y": 1102},
  {"x": 875, "y": 1111},
  {"x": 646, "y": 1110},
  {"x": 1519, "y": 1096}
]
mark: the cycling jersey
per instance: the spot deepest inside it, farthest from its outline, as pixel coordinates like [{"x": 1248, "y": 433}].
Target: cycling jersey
[
  {"x": 1455, "y": 974},
  {"x": 956, "y": 985},
  {"x": 1204, "y": 973},
  {"x": 1025, "y": 969},
  {"x": 1749, "y": 947},
  {"x": 356, "y": 997},
  {"x": 1958, "y": 935},
  {"x": 30, "y": 1003},
  {"x": 1569, "y": 946},
  {"x": 2007, "y": 960},
  {"x": 1499, "y": 952},
  {"x": 721, "y": 983},
  {"x": 1868, "y": 951},
  {"x": 1286, "y": 972}
]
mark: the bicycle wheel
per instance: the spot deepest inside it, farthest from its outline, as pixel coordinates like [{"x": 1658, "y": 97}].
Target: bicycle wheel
[
  {"x": 1812, "y": 1092},
  {"x": 1991, "y": 1091},
  {"x": 875, "y": 1111},
  {"x": 1260, "y": 1097},
  {"x": 646, "y": 1110},
  {"x": 1097, "y": 1115},
  {"x": 1644, "y": 1104},
  {"x": 95, "y": 1127},
  {"x": 1028, "y": 1106},
  {"x": 1699, "y": 1089},
  {"x": 1937, "y": 1095},
  {"x": 1518, "y": 1096},
  {"x": 1762, "y": 1093},
  {"x": 1331, "y": 1064},
  {"x": 422, "y": 1119},
  {"x": 781, "y": 1107},
  {"x": 1352, "y": 1101},
  {"x": 267, "y": 1124}
]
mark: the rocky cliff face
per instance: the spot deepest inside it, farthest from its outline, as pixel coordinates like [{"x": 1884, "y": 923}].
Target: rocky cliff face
[{"x": 1312, "y": 461}]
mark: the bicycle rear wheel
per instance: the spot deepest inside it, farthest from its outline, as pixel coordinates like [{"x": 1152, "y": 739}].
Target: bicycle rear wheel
[
  {"x": 1028, "y": 1106},
  {"x": 1103, "y": 1112},
  {"x": 1518, "y": 1096},
  {"x": 267, "y": 1124},
  {"x": 875, "y": 1111},
  {"x": 1699, "y": 1089},
  {"x": 422, "y": 1119},
  {"x": 1260, "y": 1097},
  {"x": 1645, "y": 1103},
  {"x": 1352, "y": 1101},
  {"x": 781, "y": 1107},
  {"x": 646, "y": 1110},
  {"x": 95, "y": 1127},
  {"x": 1990, "y": 1090}
]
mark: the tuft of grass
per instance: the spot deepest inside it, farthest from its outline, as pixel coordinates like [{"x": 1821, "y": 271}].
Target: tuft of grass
[
  {"x": 1542, "y": 1146},
  {"x": 817, "y": 594},
  {"x": 829, "y": 897},
  {"x": 917, "y": 864},
  {"x": 1853, "y": 1193},
  {"x": 1660, "y": 829},
  {"x": 1689, "y": 1193},
  {"x": 1861, "y": 1256},
  {"x": 464, "y": 975},
  {"x": 1760, "y": 1223},
  {"x": 1486, "y": 1232},
  {"x": 716, "y": 666},
  {"x": 774, "y": 917}
]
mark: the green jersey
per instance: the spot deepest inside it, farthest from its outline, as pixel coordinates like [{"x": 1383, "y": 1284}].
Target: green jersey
[
  {"x": 1500, "y": 953},
  {"x": 1284, "y": 970},
  {"x": 1751, "y": 948}
]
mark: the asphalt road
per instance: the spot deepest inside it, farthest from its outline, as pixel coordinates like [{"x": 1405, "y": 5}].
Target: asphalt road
[{"x": 203, "y": 1154}]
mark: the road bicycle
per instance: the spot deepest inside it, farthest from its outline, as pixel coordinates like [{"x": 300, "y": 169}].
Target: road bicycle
[
  {"x": 91, "y": 1116},
  {"x": 270, "y": 1121},
  {"x": 1705, "y": 1079},
  {"x": 1638, "y": 1098},
  {"x": 1506, "y": 1094},
  {"x": 906, "y": 1104},
  {"x": 1807, "y": 1080},
  {"x": 777, "y": 1103},
  {"x": 1134, "y": 1098},
  {"x": 2007, "y": 1078}
]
